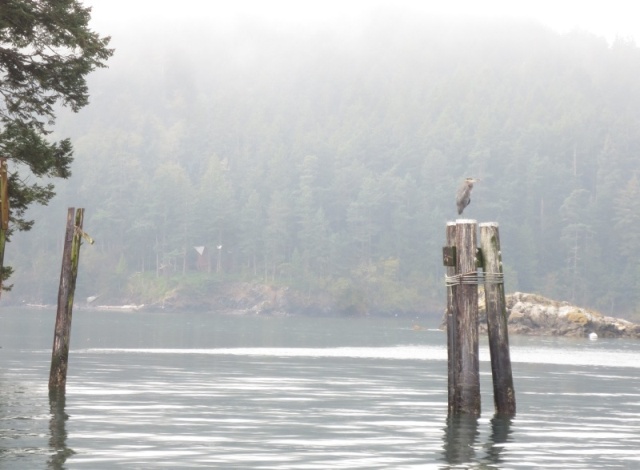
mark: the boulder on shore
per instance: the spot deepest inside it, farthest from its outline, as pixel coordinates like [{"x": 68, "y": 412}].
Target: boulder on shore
[{"x": 531, "y": 314}]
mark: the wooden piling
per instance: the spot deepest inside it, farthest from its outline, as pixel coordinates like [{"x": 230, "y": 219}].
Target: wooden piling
[
  {"x": 68, "y": 274},
  {"x": 468, "y": 383},
  {"x": 4, "y": 212},
  {"x": 450, "y": 263},
  {"x": 466, "y": 364},
  {"x": 503, "y": 391}
]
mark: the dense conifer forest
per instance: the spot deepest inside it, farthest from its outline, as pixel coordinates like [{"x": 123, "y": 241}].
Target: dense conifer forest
[{"x": 329, "y": 163}]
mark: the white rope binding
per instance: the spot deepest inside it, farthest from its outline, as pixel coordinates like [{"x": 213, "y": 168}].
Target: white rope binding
[{"x": 474, "y": 278}]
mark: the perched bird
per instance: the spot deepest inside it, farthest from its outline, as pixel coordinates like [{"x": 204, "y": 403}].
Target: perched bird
[{"x": 464, "y": 194}]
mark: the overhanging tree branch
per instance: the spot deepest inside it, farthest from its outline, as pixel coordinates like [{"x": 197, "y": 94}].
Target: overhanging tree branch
[{"x": 46, "y": 51}]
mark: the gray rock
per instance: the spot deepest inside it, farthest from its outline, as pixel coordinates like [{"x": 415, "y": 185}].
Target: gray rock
[{"x": 531, "y": 314}]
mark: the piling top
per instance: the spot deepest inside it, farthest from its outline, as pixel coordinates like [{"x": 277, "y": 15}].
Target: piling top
[
  {"x": 489, "y": 224},
  {"x": 466, "y": 221}
]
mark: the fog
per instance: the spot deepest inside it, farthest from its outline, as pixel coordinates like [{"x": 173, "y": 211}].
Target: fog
[
  {"x": 320, "y": 148},
  {"x": 605, "y": 18}
]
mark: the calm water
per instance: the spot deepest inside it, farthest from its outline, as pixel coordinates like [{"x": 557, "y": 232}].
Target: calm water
[{"x": 212, "y": 391}]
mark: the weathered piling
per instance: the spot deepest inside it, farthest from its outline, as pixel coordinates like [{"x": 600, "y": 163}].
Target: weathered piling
[
  {"x": 462, "y": 258},
  {"x": 503, "y": 391},
  {"x": 449, "y": 256},
  {"x": 68, "y": 274},
  {"x": 465, "y": 373},
  {"x": 4, "y": 212}
]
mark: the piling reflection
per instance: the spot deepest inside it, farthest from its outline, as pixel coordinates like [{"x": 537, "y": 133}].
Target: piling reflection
[
  {"x": 500, "y": 434},
  {"x": 460, "y": 436},
  {"x": 58, "y": 431}
]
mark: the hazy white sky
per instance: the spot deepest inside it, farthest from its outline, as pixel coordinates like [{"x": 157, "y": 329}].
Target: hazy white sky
[{"x": 605, "y": 18}]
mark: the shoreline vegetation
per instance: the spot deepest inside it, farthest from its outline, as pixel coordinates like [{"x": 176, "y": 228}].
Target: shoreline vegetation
[{"x": 331, "y": 166}]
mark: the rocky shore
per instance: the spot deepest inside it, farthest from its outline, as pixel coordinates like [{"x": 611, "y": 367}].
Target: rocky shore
[{"x": 531, "y": 314}]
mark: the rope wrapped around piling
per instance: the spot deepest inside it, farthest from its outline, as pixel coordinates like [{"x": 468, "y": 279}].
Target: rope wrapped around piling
[{"x": 474, "y": 278}]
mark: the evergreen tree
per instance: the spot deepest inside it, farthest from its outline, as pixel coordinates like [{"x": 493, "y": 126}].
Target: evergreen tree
[
  {"x": 278, "y": 234},
  {"x": 214, "y": 208},
  {"x": 46, "y": 52},
  {"x": 251, "y": 232},
  {"x": 171, "y": 200}
]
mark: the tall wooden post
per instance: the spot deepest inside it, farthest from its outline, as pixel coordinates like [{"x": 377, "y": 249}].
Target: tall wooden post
[
  {"x": 68, "y": 274},
  {"x": 4, "y": 212},
  {"x": 465, "y": 350},
  {"x": 450, "y": 263},
  {"x": 503, "y": 391}
]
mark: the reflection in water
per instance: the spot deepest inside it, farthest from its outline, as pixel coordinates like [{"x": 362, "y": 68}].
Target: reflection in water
[
  {"x": 500, "y": 432},
  {"x": 58, "y": 440},
  {"x": 460, "y": 436}
]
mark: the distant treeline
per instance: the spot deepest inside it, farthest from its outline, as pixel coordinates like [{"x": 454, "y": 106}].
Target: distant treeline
[{"x": 330, "y": 164}]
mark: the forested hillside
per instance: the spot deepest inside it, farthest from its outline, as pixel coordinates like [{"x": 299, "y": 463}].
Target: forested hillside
[{"x": 329, "y": 163}]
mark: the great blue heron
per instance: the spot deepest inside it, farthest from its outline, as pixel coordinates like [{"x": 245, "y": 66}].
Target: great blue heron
[{"x": 464, "y": 194}]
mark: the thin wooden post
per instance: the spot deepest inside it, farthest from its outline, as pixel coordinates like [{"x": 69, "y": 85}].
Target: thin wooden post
[
  {"x": 503, "y": 392},
  {"x": 465, "y": 350},
  {"x": 68, "y": 274},
  {"x": 449, "y": 258},
  {"x": 4, "y": 213}
]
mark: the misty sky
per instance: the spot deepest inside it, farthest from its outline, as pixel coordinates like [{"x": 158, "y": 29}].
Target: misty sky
[{"x": 606, "y": 18}]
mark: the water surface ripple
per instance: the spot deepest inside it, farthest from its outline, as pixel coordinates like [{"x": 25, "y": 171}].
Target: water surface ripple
[{"x": 157, "y": 391}]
